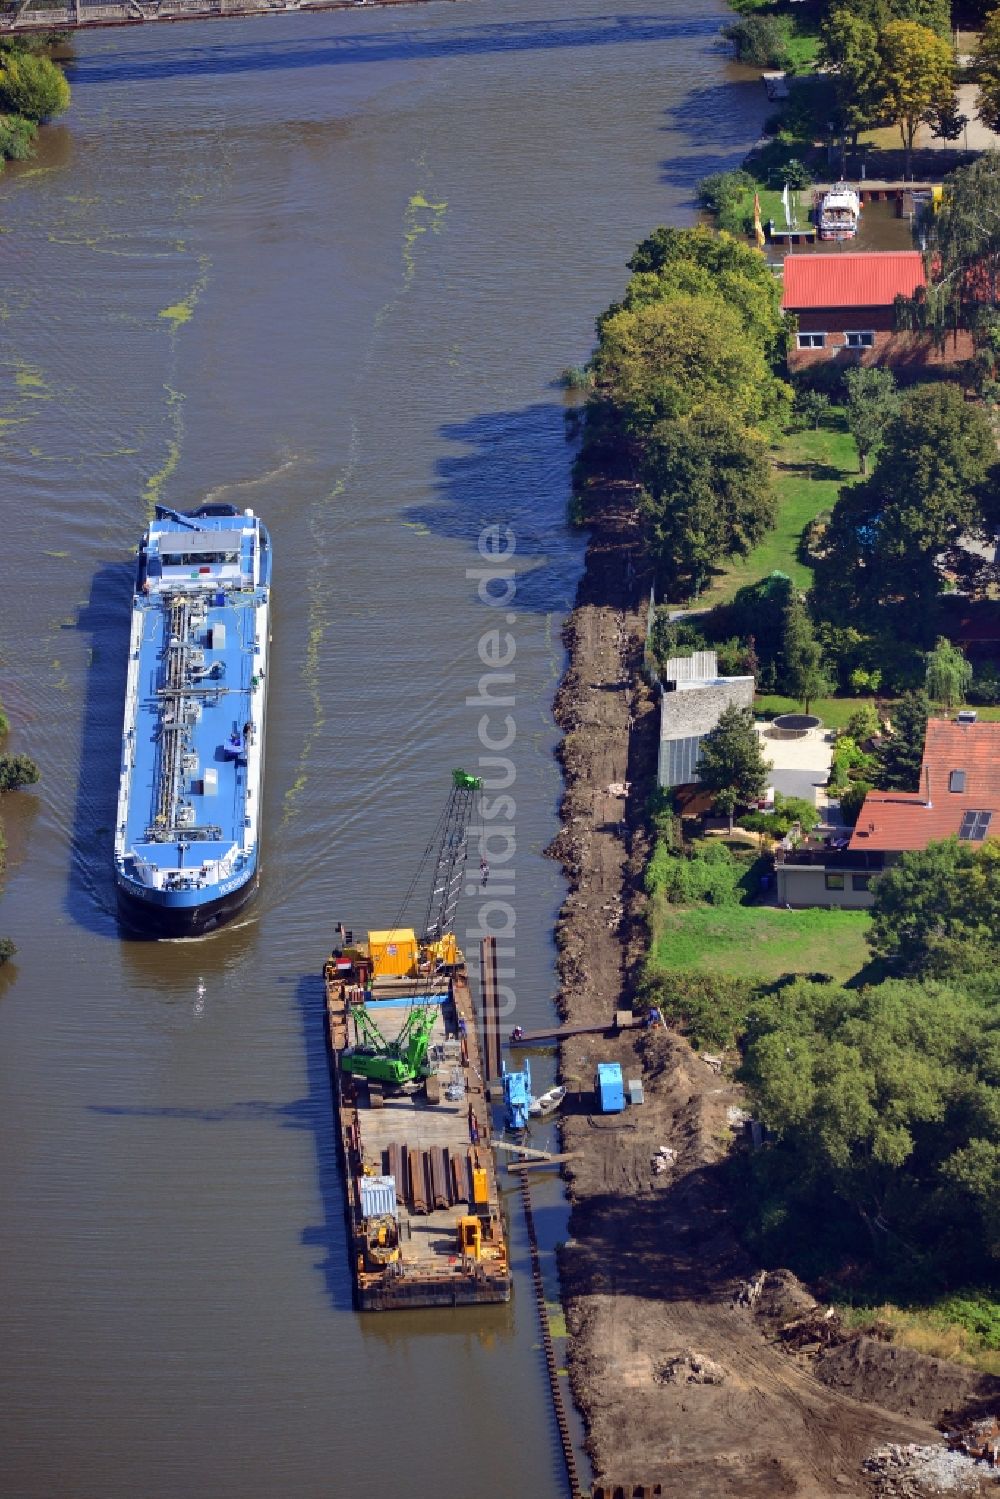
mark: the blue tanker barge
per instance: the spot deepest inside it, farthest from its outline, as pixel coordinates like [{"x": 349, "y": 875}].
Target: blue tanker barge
[{"x": 187, "y": 831}]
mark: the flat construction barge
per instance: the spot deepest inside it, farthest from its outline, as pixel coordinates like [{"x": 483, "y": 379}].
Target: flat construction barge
[{"x": 424, "y": 1218}]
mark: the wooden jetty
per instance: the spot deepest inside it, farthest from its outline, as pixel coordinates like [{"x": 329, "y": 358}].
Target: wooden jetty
[{"x": 443, "y": 1241}]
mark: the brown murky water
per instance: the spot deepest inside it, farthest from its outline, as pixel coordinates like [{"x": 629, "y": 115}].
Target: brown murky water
[{"x": 327, "y": 267}]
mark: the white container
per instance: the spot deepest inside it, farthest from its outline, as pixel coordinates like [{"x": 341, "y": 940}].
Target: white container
[{"x": 210, "y": 782}]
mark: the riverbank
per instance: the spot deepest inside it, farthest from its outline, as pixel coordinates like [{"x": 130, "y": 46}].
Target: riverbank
[{"x": 679, "y": 1369}]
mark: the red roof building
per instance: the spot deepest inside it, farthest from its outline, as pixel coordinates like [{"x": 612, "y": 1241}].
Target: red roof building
[
  {"x": 844, "y": 305},
  {"x": 959, "y": 793},
  {"x": 959, "y": 796}
]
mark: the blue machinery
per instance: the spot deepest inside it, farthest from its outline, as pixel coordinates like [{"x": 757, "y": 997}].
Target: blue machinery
[{"x": 516, "y": 1097}]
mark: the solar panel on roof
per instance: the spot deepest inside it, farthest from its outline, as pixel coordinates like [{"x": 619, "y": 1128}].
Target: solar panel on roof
[{"x": 974, "y": 826}]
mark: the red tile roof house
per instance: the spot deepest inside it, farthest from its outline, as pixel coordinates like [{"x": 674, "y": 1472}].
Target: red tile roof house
[
  {"x": 959, "y": 796},
  {"x": 844, "y": 305}
]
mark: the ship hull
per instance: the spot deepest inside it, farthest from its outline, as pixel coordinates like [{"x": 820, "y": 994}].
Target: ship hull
[
  {"x": 192, "y": 768},
  {"x": 160, "y": 919}
]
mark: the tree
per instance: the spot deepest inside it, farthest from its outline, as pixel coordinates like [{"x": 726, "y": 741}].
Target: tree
[
  {"x": 16, "y": 771},
  {"x": 948, "y": 674},
  {"x": 731, "y": 764},
  {"x": 987, "y": 64},
  {"x": 964, "y": 246},
  {"x": 708, "y": 494},
  {"x": 803, "y": 673},
  {"x": 900, "y": 754},
  {"x": 887, "y": 534},
  {"x": 662, "y": 360},
  {"x": 938, "y": 909},
  {"x": 849, "y": 47},
  {"x": 730, "y": 269},
  {"x": 811, "y": 406},
  {"x": 874, "y": 1096},
  {"x": 872, "y": 402},
  {"x": 32, "y": 86},
  {"x": 917, "y": 77},
  {"x": 7, "y": 950}
]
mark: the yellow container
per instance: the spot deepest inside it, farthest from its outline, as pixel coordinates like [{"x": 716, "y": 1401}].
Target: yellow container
[
  {"x": 444, "y": 950},
  {"x": 393, "y": 954},
  {"x": 480, "y": 1186}
]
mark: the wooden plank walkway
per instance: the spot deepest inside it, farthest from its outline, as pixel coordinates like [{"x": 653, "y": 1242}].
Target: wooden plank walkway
[{"x": 556, "y": 1033}]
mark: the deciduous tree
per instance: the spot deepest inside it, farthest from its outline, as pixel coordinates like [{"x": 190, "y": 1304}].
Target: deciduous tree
[
  {"x": 708, "y": 494},
  {"x": 948, "y": 674},
  {"x": 987, "y": 57},
  {"x": 872, "y": 402},
  {"x": 917, "y": 77},
  {"x": 32, "y": 86},
  {"x": 874, "y": 1094},
  {"x": 849, "y": 47},
  {"x": 938, "y": 909},
  {"x": 886, "y": 535}
]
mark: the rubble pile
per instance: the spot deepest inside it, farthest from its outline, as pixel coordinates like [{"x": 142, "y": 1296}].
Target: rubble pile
[
  {"x": 915, "y": 1472},
  {"x": 690, "y": 1368}
]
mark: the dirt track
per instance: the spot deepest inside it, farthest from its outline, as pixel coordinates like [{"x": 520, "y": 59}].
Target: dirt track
[{"x": 655, "y": 1264}]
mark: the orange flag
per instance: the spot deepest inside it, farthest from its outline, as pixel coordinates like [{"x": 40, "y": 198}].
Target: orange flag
[{"x": 758, "y": 227}]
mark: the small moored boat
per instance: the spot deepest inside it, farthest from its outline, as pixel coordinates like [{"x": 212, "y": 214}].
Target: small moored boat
[
  {"x": 839, "y": 212},
  {"x": 547, "y": 1103}
]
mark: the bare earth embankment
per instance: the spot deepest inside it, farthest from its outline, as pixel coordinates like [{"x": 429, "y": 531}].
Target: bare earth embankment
[{"x": 682, "y": 1377}]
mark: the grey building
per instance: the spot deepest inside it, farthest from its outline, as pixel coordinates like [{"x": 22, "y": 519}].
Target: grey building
[{"x": 692, "y": 701}]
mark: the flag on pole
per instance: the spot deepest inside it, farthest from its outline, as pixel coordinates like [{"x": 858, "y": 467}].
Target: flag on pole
[
  {"x": 758, "y": 227},
  {"x": 787, "y": 206}
]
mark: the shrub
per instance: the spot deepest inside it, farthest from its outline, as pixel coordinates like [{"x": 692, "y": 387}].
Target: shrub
[
  {"x": 33, "y": 87},
  {"x": 849, "y": 761},
  {"x": 7, "y": 950},
  {"x": 17, "y": 137},
  {"x": 576, "y": 377},
  {"x": 720, "y": 188},
  {"x": 761, "y": 41},
  {"x": 863, "y": 723},
  {"x": 985, "y": 687},
  {"x": 17, "y": 770},
  {"x": 711, "y": 1007},
  {"x": 709, "y": 874},
  {"x": 852, "y": 799},
  {"x": 788, "y": 810}
]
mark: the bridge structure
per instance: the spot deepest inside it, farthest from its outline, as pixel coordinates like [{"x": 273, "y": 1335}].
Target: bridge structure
[{"x": 26, "y": 16}]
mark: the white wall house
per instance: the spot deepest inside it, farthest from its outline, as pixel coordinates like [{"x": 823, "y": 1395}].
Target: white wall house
[{"x": 692, "y": 701}]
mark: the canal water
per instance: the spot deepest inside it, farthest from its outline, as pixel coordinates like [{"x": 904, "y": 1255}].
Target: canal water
[{"x": 327, "y": 267}]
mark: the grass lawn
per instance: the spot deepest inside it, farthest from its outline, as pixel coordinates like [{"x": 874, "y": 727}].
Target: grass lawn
[
  {"x": 771, "y": 206},
  {"x": 811, "y": 467},
  {"x": 760, "y": 942},
  {"x": 835, "y": 711}
]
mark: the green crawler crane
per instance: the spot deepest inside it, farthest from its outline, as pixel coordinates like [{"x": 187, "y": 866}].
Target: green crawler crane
[{"x": 404, "y": 1059}]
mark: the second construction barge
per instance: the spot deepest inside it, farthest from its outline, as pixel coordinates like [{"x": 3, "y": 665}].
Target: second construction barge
[{"x": 423, "y": 1209}]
